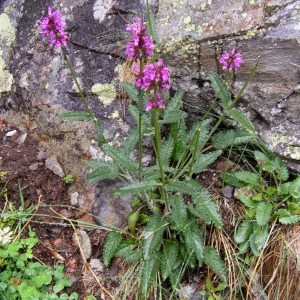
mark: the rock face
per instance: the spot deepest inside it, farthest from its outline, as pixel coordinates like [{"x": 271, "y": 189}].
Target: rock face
[{"x": 36, "y": 85}]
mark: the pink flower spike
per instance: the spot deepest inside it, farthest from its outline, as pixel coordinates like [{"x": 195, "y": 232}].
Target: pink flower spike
[
  {"x": 231, "y": 60},
  {"x": 53, "y": 26},
  {"x": 158, "y": 103}
]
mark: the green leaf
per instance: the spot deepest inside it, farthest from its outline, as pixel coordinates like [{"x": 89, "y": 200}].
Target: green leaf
[
  {"x": 228, "y": 138},
  {"x": 153, "y": 235},
  {"x": 260, "y": 157},
  {"x": 137, "y": 187},
  {"x": 247, "y": 177},
  {"x": 121, "y": 159},
  {"x": 167, "y": 151},
  {"x": 76, "y": 116},
  {"x": 205, "y": 160},
  {"x": 259, "y": 237},
  {"x": 193, "y": 237},
  {"x": 229, "y": 178},
  {"x": 285, "y": 217},
  {"x": 179, "y": 135},
  {"x": 243, "y": 232},
  {"x": 175, "y": 103},
  {"x": 129, "y": 253},
  {"x": 41, "y": 279},
  {"x": 169, "y": 258},
  {"x": 213, "y": 260},
  {"x": 173, "y": 117},
  {"x": 247, "y": 201},
  {"x": 99, "y": 132},
  {"x": 111, "y": 243},
  {"x": 149, "y": 271},
  {"x": 220, "y": 88},
  {"x": 105, "y": 170},
  {"x": 294, "y": 188},
  {"x": 132, "y": 91},
  {"x": 130, "y": 142},
  {"x": 241, "y": 118},
  {"x": 263, "y": 213},
  {"x": 178, "y": 215},
  {"x": 132, "y": 219}
]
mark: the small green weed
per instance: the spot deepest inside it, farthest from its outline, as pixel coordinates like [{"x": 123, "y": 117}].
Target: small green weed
[
  {"x": 23, "y": 278},
  {"x": 212, "y": 292},
  {"x": 69, "y": 178},
  {"x": 267, "y": 196}
]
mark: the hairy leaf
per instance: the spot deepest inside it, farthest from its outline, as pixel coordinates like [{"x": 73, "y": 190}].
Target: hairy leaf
[
  {"x": 130, "y": 142},
  {"x": 137, "y": 187},
  {"x": 241, "y": 118},
  {"x": 220, "y": 88},
  {"x": 263, "y": 213},
  {"x": 178, "y": 215},
  {"x": 228, "y": 138},
  {"x": 243, "y": 232},
  {"x": 259, "y": 237},
  {"x": 102, "y": 170},
  {"x": 294, "y": 188},
  {"x": 151, "y": 25},
  {"x": 120, "y": 158},
  {"x": 76, "y": 116},
  {"x": 285, "y": 217},
  {"x": 247, "y": 177},
  {"x": 129, "y": 253},
  {"x": 194, "y": 240},
  {"x": 173, "y": 117},
  {"x": 132, "y": 91},
  {"x": 167, "y": 151},
  {"x": 205, "y": 160},
  {"x": 169, "y": 258},
  {"x": 229, "y": 178},
  {"x": 214, "y": 261},
  {"x": 179, "y": 135},
  {"x": 111, "y": 244},
  {"x": 153, "y": 235},
  {"x": 149, "y": 271},
  {"x": 175, "y": 103}
]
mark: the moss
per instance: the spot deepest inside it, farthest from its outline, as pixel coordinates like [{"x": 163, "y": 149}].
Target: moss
[
  {"x": 106, "y": 92},
  {"x": 6, "y": 79}
]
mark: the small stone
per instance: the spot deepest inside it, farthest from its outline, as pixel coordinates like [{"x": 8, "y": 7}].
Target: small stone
[
  {"x": 11, "y": 133},
  {"x": 34, "y": 167},
  {"x": 81, "y": 237},
  {"x": 52, "y": 164},
  {"x": 22, "y": 138},
  {"x": 227, "y": 191},
  {"x": 66, "y": 213},
  {"x": 74, "y": 198},
  {"x": 96, "y": 265}
]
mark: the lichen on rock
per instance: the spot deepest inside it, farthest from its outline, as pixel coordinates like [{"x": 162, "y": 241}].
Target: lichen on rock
[{"x": 106, "y": 92}]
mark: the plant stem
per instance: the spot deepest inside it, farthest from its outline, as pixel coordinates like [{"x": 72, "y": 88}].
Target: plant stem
[{"x": 194, "y": 153}]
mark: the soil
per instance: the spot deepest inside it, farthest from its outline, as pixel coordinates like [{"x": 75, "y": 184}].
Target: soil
[{"x": 23, "y": 172}]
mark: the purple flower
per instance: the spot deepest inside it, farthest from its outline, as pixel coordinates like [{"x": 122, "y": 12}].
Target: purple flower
[
  {"x": 53, "y": 27},
  {"x": 231, "y": 60},
  {"x": 153, "y": 75},
  {"x": 141, "y": 44},
  {"x": 155, "y": 103}
]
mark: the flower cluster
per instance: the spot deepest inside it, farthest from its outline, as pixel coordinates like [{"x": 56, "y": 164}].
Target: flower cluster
[
  {"x": 154, "y": 75},
  {"x": 231, "y": 60},
  {"x": 141, "y": 45},
  {"x": 155, "y": 103},
  {"x": 53, "y": 27}
]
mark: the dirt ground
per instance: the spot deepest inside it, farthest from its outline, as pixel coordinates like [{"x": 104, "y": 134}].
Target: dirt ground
[{"x": 22, "y": 169}]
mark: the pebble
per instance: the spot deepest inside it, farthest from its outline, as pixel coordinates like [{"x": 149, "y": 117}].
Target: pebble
[
  {"x": 96, "y": 265},
  {"x": 85, "y": 243},
  {"x": 52, "y": 164}
]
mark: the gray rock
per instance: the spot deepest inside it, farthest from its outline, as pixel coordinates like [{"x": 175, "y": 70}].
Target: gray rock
[
  {"x": 81, "y": 238},
  {"x": 109, "y": 210},
  {"x": 52, "y": 164},
  {"x": 96, "y": 265}
]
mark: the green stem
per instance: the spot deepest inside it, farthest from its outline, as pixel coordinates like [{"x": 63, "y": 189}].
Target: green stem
[
  {"x": 158, "y": 145},
  {"x": 194, "y": 153}
]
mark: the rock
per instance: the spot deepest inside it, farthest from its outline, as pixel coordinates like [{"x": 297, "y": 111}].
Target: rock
[
  {"x": 52, "y": 164},
  {"x": 110, "y": 210},
  {"x": 74, "y": 198},
  {"x": 81, "y": 238},
  {"x": 189, "y": 292},
  {"x": 96, "y": 265}
]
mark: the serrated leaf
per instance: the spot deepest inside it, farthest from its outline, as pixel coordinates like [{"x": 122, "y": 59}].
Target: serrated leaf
[
  {"x": 220, "y": 88},
  {"x": 263, "y": 213},
  {"x": 178, "y": 215},
  {"x": 225, "y": 139},
  {"x": 259, "y": 237},
  {"x": 229, "y": 178},
  {"x": 153, "y": 236},
  {"x": 294, "y": 188},
  {"x": 247, "y": 177},
  {"x": 76, "y": 116},
  {"x": 260, "y": 157},
  {"x": 241, "y": 118},
  {"x": 132, "y": 219},
  {"x": 247, "y": 201},
  {"x": 282, "y": 173},
  {"x": 99, "y": 132},
  {"x": 285, "y": 217},
  {"x": 173, "y": 117},
  {"x": 149, "y": 271},
  {"x": 129, "y": 253},
  {"x": 166, "y": 152},
  {"x": 169, "y": 257},
  {"x": 179, "y": 135},
  {"x": 108, "y": 171},
  {"x": 130, "y": 142},
  {"x": 205, "y": 160},
  {"x": 121, "y": 159},
  {"x": 193, "y": 237},
  {"x": 243, "y": 232},
  {"x": 132, "y": 91},
  {"x": 175, "y": 103},
  {"x": 111, "y": 243},
  {"x": 137, "y": 187},
  {"x": 213, "y": 260},
  {"x": 151, "y": 25}
]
